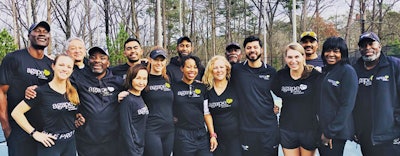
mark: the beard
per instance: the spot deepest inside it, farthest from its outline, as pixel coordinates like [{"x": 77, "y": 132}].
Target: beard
[
  {"x": 371, "y": 58},
  {"x": 253, "y": 60}
]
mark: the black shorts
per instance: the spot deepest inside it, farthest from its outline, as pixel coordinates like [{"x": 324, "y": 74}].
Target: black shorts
[
  {"x": 260, "y": 143},
  {"x": 291, "y": 139},
  {"x": 191, "y": 142}
]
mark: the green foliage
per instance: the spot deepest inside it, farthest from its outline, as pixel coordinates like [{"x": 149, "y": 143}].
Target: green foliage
[
  {"x": 116, "y": 48},
  {"x": 393, "y": 47},
  {"x": 7, "y": 44}
]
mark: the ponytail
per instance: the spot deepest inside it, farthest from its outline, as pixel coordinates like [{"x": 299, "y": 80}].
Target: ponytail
[{"x": 72, "y": 94}]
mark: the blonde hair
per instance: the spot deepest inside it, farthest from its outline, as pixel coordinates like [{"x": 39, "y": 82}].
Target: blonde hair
[
  {"x": 71, "y": 92},
  {"x": 296, "y": 46},
  {"x": 208, "y": 78},
  {"x": 164, "y": 70}
]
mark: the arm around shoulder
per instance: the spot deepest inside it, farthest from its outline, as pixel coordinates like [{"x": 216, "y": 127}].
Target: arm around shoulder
[{"x": 4, "y": 110}]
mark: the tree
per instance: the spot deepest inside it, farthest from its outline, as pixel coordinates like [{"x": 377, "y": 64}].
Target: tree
[{"x": 7, "y": 44}]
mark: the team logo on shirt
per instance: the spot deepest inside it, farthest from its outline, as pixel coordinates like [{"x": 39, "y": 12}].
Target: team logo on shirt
[
  {"x": 64, "y": 105},
  {"x": 334, "y": 82},
  {"x": 143, "y": 111},
  {"x": 294, "y": 89},
  {"x": 384, "y": 78},
  {"x": 365, "y": 81},
  {"x": 220, "y": 104},
  {"x": 167, "y": 85},
  {"x": 197, "y": 91},
  {"x": 106, "y": 91},
  {"x": 162, "y": 87},
  {"x": 265, "y": 77},
  {"x": 229, "y": 101},
  {"x": 38, "y": 73}
]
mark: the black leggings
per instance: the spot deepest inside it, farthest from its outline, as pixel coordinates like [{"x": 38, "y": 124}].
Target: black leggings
[
  {"x": 159, "y": 144},
  {"x": 228, "y": 145}
]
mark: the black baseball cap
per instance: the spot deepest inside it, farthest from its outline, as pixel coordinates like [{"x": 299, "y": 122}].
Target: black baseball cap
[
  {"x": 43, "y": 24},
  {"x": 232, "y": 45},
  {"x": 103, "y": 50},
  {"x": 368, "y": 35},
  {"x": 158, "y": 52},
  {"x": 184, "y": 38}
]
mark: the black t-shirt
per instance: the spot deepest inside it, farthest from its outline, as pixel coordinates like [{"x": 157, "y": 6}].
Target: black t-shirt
[
  {"x": 317, "y": 63},
  {"x": 20, "y": 70},
  {"x": 132, "y": 118},
  {"x": 159, "y": 99},
  {"x": 99, "y": 105},
  {"x": 299, "y": 100},
  {"x": 57, "y": 114},
  {"x": 120, "y": 70},
  {"x": 188, "y": 105},
  {"x": 223, "y": 109},
  {"x": 174, "y": 70},
  {"x": 253, "y": 88}
]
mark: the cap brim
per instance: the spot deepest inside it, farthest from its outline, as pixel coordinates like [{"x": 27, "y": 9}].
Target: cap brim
[{"x": 232, "y": 46}]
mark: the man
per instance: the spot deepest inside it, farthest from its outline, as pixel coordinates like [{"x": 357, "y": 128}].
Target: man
[
  {"x": 19, "y": 70},
  {"x": 309, "y": 42},
  {"x": 133, "y": 52},
  {"x": 377, "y": 110},
  {"x": 184, "y": 48},
  {"x": 98, "y": 88},
  {"x": 233, "y": 53},
  {"x": 75, "y": 47},
  {"x": 252, "y": 82}
]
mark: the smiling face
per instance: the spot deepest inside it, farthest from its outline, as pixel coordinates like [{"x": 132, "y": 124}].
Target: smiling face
[
  {"x": 63, "y": 67},
  {"x": 184, "y": 48},
  {"x": 310, "y": 46},
  {"x": 370, "y": 50},
  {"x": 39, "y": 38},
  {"x": 253, "y": 51},
  {"x": 189, "y": 70},
  {"x": 157, "y": 65},
  {"x": 140, "y": 81},
  {"x": 219, "y": 70},
  {"x": 76, "y": 49},
  {"x": 332, "y": 56},
  {"x": 133, "y": 51},
  {"x": 99, "y": 63},
  {"x": 294, "y": 59}
]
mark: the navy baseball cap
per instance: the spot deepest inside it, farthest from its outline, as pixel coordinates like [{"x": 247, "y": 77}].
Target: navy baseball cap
[
  {"x": 158, "y": 52},
  {"x": 232, "y": 45},
  {"x": 43, "y": 24},
  {"x": 368, "y": 35},
  {"x": 103, "y": 50},
  {"x": 184, "y": 38}
]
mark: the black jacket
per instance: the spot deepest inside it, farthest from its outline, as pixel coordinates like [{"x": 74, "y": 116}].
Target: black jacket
[
  {"x": 338, "y": 94},
  {"x": 385, "y": 102}
]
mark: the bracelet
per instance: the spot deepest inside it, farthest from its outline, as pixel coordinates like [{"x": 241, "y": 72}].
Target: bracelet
[
  {"x": 31, "y": 133},
  {"x": 213, "y": 135}
]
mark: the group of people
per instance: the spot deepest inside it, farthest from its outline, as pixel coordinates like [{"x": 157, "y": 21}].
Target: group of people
[{"x": 77, "y": 105}]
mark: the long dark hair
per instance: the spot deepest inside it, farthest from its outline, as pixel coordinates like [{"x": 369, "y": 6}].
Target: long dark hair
[{"x": 336, "y": 43}]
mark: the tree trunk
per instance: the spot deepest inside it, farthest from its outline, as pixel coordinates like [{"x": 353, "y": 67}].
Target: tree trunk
[
  {"x": 193, "y": 23},
  {"x": 228, "y": 31},
  {"x": 107, "y": 17},
  {"x": 373, "y": 16},
  {"x": 158, "y": 27},
  {"x": 349, "y": 22},
  {"x": 49, "y": 48},
  {"x": 16, "y": 29},
  {"x": 303, "y": 17},
  {"x": 380, "y": 17},
  {"x": 135, "y": 23},
  {"x": 213, "y": 27},
  {"x": 164, "y": 25}
]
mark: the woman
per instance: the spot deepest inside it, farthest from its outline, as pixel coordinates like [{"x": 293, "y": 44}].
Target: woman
[
  {"x": 55, "y": 105},
  {"x": 338, "y": 94},
  {"x": 159, "y": 99},
  {"x": 133, "y": 113},
  {"x": 296, "y": 84},
  {"x": 191, "y": 112},
  {"x": 222, "y": 103}
]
